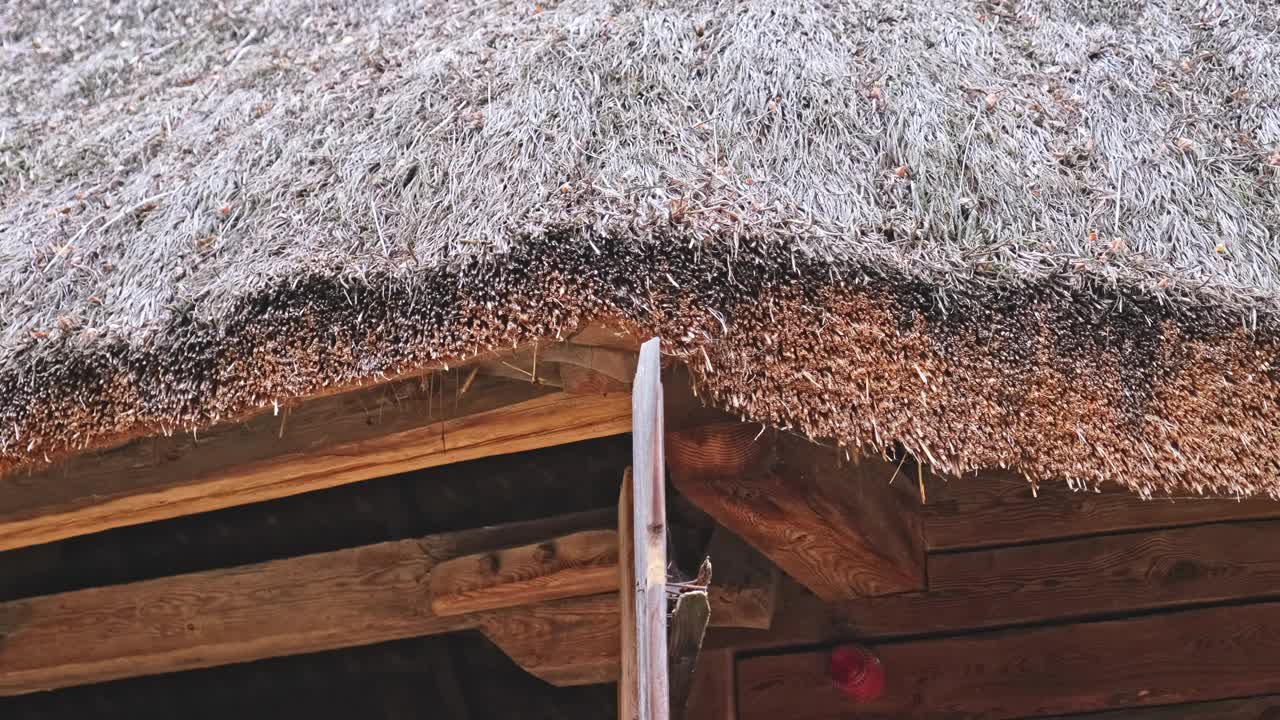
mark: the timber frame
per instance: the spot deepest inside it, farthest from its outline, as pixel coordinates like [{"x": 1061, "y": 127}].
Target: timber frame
[{"x": 810, "y": 547}]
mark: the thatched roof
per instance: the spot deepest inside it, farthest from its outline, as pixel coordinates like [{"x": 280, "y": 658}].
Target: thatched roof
[{"x": 1036, "y": 233}]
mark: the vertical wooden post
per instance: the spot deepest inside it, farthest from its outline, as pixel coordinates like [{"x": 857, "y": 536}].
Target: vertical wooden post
[{"x": 642, "y": 529}]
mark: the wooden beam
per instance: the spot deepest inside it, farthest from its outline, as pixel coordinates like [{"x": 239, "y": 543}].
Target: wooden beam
[
  {"x": 840, "y": 529},
  {"x": 643, "y": 692},
  {"x": 744, "y": 585},
  {"x": 581, "y": 381},
  {"x": 1000, "y": 508},
  {"x": 284, "y": 607},
  {"x": 574, "y": 641},
  {"x": 564, "y": 642},
  {"x": 1180, "y": 657},
  {"x": 1088, "y": 577},
  {"x": 1080, "y": 579},
  {"x": 714, "y": 696},
  {"x": 1266, "y": 707},
  {"x": 559, "y": 364},
  {"x": 318, "y": 444},
  {"x": 584, "y": 563}
]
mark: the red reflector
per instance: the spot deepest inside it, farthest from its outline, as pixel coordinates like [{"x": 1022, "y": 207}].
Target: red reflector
[{"x": 857, "y": 673}]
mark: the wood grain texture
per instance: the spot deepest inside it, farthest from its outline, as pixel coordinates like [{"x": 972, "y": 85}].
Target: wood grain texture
[
  {"x": 319, "y": 444},
  {"x": 298, "y": 605},
  {"x": 685, "y": 631},
  {"x": 584, "y": 563},
  {"x": 583, "y": 381},
  {"x": 1080, "y": 578},
  {"x": 725, "y": 449},
  {"x": 1181, "y": 657},
  {"x": 1092, "y": 577},
  {"x": 643, "y": 691},
  {"x": 999, "y": 508},
  {"x": 713, "y": 696},
  {"x": 840, "y": 529},
  {"x": 1266, "y": 707},
  {"x": 744, "y": 584},
  {"x": 800, "y": 618},
  {"x": 564, "y": 642}
]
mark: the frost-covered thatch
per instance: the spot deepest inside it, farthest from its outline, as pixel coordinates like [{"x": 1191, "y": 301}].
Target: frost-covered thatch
[{"x": 1032, "y": 233}]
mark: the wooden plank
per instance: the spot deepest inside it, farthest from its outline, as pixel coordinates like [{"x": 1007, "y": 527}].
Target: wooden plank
[
  {"x": 583, "y": 381},
  {"x": 687, "y": 626},
  {"x": 556, "y": 363},
  {"x": 643, "y": 692},
  {"x": 713, "y": 696},
  {"x": 319, "y": 444},
  {"x": 617, "y": 365},
  {"x": 840, "y": 529},
  {"x": 800, "y": 618},
  {"x": 564, "y": 642},
  {"x": 999, "y": 508},
  {"x": 744, "y": 585},
  {"x": 609, "y": 334},
  {"x": 630, "y": 693},
  {"x": 1266, "y": 707},
  {"x": 1080, "y": 578},
  {"x": 284, "y": 607},
  {"x": 1179, "y": 657},
  {"x": 1077, "y": 579},
  {"x": 584, "y": 563}
]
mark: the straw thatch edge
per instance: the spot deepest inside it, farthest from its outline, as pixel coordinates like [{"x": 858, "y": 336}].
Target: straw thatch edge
[{"x": 1087, "y": 384}]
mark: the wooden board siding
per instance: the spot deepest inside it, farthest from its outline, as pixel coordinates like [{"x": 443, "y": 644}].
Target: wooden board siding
[
  {"x": 1266, "y": 707},
  {"x": 1082, "y": 579},
  {"x": 713, "y": 696},
  {"x": 999, "y": 508},
  {"x": 1072, "y": 579},
  {"x": 1189, "y": 656}
]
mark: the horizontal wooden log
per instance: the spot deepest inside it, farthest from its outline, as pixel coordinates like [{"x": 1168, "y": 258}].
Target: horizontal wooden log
[
  {"x": 318, "y": 444},
  {"x": 1094, "y": 576},
  {"x": 583, "y": 381},
  {"x": 1000, "y": 508},
  {"x": 298, "y": 605},
  {"x": 841, "y": 530},
  {"x": 1180, "y": 657},
  {"x": 584, "y": 563},
  {"x": 1266, "y": 707},
  {"x": 1084, "y": 578}
]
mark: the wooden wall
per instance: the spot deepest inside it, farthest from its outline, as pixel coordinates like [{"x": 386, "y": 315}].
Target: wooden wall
[{"x": 1061, "y": 605}]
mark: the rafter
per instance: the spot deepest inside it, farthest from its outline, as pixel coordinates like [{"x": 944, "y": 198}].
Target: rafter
[
  {"x": 438, "y": 419},
  {"x": 841, "y": 529}
]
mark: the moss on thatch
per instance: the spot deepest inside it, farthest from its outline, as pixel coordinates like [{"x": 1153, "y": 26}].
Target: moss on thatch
[{"x": 1033, "y": 234}]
